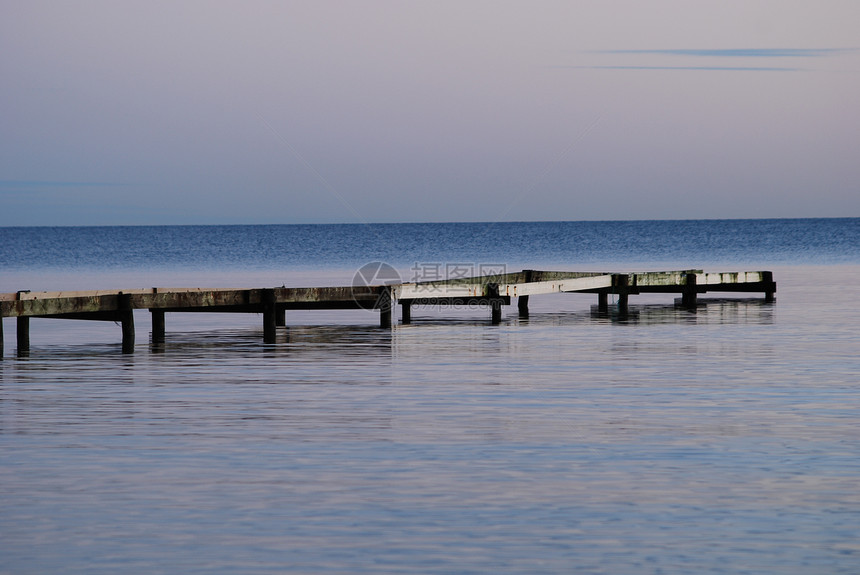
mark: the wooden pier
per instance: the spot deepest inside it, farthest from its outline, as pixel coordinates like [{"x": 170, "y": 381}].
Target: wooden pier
[{"x": 490, "y": 291}]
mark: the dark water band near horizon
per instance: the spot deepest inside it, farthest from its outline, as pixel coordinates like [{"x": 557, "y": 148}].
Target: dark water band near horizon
[{"x": 723, "y": 439}]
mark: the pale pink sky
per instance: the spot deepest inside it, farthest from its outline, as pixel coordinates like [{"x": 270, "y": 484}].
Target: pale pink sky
[{"x": 367, "y": 111}]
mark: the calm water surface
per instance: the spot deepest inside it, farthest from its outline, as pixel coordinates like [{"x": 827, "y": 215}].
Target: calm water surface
[{"x": 724, "y": 440}]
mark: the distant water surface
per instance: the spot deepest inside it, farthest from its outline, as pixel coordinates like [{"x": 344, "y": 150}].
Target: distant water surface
[
  {"x": 719, "y": 440},
  {"x": 291, "y": 247}
]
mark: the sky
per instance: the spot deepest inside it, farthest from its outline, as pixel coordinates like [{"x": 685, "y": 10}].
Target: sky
[{"x": 253, "y": 112}]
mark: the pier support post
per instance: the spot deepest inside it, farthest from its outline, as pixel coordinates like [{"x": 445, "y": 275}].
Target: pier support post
[
  {"x": 1, "y": 337},
  {"x": 602, "y": 301},
  {"x": 281, "y": 317},
  {"x": 496, "y": 315},
  {"x": 495, "y": 303},
  {"x": 385, "y": 304},
  {"x": 23, "y": 333},
  {"x": 688, "y": 297},
  {"x": 157, "y": 325},
  {"x": 405, "y": 311},
  {"x": 269, "y": 313},
  {"x": 770, "y": 286},
  {"x": 126, "y": 317},
  {"x": 621, "y": 281},
  {"x": 523, "y": 306},
  {"x": 523, "y": 300}
]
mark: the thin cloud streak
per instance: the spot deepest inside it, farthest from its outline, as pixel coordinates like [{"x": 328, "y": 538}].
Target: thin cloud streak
[
  {"x": 740, "y": 52},
  {"x": 697, "y": 68},
  {"x": 17, "y": 185}
]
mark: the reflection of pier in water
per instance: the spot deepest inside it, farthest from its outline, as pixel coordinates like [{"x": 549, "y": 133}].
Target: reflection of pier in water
[
  {"x": 711, "y": 311},
  {"x": 707, "y": 311},
  {"x": 491, "y": 292}
]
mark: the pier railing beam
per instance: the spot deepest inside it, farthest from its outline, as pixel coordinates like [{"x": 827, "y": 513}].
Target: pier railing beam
[{"x": 126, "y": 317}]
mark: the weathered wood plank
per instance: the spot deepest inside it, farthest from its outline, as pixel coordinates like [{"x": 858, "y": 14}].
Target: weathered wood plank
[
  {"x": 739, "y": 288},
  {"x": 544, "y": 275},
  {"x": 324, "y": 294},
  {"x": 40, "y": 295},
  {"x": 61, "y": 305},
  {"x": 163, "y": 299},
  {"x": 438, "y": 290},
  {"x": 581, "y": 283},
  {"x": 657, "y": 279},
  {"x": 729, "y": 278}
]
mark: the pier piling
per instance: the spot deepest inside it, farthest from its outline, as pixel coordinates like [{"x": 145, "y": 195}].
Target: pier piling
[
  {"x": 386, "y": 304},
  {"x": 23, "y": 336},
  {"x": 523, "y": 300},
  {"x": 269, "y": 316},
  {"x": 523, "y": 306},
  {"x": 688, "y": 296},
  {"x": 770, "y": 286},
  {"x": 157, "y": 325},
  {"x": 620, "y": 282},
  {"x": 157, "y": 322},
  {"x": 495, "y": 303},
  {"x": 126, "y": 317}
]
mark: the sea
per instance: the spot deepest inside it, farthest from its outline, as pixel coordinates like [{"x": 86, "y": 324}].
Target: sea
[{"x": 723, "y": 439}]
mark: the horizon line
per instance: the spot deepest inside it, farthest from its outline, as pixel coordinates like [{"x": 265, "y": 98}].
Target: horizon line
[{"x": 785, "y": 218}]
